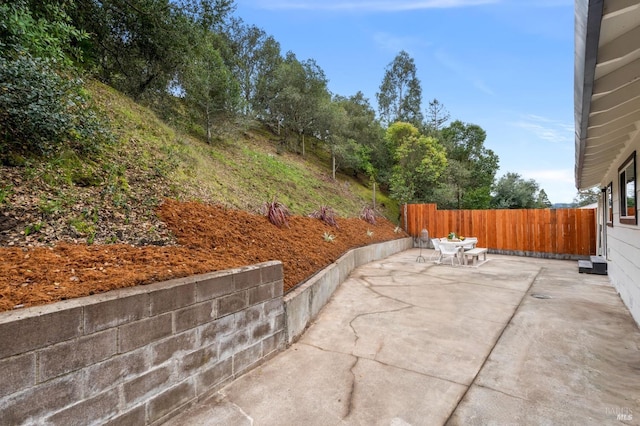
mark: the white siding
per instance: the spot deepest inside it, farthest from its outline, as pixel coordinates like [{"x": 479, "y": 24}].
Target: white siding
[{"x": 623, "y": 241}]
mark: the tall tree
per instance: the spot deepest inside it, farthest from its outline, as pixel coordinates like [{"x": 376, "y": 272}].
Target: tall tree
[
  {"x": 471, "y": 168},
  {"x": 419, "y": 161},
  {"x": 586, "y": 197},
  {"x": 513, "y": 192},
  {"x": 299, "y": 90},
  {"x": 543, "y": 200},
  {"x": 365, "y": 150},
  {"x": 248, "y": 44},
  {"x": 138, "y": 44},
  {"x": 209, "y": 86},
  {"x": 400, "y": 95},
  {"x": 331, "y": 123},
  {"x": 210, "y": 15},
  {"x": 436, "y": 116},
  {"x": 267, "y": 84}
]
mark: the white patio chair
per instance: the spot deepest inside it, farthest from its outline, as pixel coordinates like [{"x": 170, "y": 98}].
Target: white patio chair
[
  {"x": 449, "y": 250},
  {"x": 435, "y": 256},
  {"x": 470, "y": 243}
]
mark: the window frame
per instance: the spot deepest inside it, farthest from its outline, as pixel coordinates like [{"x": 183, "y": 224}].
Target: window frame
[
  {"x": 623, "y": 199},
  {"x": 609, "y": 204}
]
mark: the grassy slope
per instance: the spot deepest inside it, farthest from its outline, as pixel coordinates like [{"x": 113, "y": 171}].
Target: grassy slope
[
  {"x": 241, "y": 169},
  {"x": 112, "y": 198}
]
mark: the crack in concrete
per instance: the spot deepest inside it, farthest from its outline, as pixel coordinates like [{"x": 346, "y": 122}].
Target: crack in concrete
[
  {"x": 524, "y": 295},
  {"x": 503, "y": 393},
  {"x": 352, "y": 391},
  {"x": 220, "y": 398},
  {"x": 420, "y": 373},
  {"x": 326, "y": 350},
  {"x": 370, "y": 286},
  {"x": 242, "y": 412}
]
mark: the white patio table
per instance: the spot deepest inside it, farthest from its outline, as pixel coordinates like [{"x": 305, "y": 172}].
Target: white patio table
[{"x": 461, "y": 244}]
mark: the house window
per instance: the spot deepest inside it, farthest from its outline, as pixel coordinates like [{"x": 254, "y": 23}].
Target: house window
[
  {"x": 609, "y": 202},
  {"x": 627, "y": 174}
]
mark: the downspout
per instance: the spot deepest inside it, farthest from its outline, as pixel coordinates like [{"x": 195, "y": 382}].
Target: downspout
[{"x": 605, "y": 214}]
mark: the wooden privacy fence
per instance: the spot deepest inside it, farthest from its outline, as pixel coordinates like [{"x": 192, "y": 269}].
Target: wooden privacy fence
[{"x": 561, "y": 233}]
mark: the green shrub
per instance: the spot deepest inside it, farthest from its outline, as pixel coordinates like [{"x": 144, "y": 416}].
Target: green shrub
[{"x": 42, "y": 111}]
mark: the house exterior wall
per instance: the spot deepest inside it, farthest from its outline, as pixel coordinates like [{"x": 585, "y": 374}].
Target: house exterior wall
[{"x": 623, "y": 241}]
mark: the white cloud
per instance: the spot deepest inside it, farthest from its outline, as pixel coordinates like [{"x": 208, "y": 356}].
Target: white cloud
[
  {"x": 559, "y": 184},
  {"x": 547, "y": 129},
  {"x": 394, "y": 44},
  {"x": 464, "y": 71},
  {"x": 558, "y": 175},
  {"x": 372, "y": 6}
]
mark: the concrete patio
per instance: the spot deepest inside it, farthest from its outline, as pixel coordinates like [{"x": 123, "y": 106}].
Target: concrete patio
[{"x": 514, "y": 341}]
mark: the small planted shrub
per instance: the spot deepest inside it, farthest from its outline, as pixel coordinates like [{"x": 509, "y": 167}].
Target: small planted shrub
[
  {"x": 276, "y": 212},
  {"x": 369, "y": 233},
  {"x": 329, "y": 237},
  {"x": 368, "y": 215},
  {"x": 325, "y": 214}
]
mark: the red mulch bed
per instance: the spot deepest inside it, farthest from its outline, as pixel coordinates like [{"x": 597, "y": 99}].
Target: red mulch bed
[{"x": 210, "y": 238}]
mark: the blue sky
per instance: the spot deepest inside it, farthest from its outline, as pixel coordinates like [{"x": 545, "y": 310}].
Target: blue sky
[{"x": 505, "y": 65}]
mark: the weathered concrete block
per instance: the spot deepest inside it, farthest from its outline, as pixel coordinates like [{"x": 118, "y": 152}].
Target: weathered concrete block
[
  {"x": 260, "y": 293},
  {"x": 215, "y": 285},
  {"x": 88, "y": 411},
  {"x": 143, "y": 332},
  {"x": 248, "y": 316},
  {"x": 232, "y": 303},
  {"x": 215, "y": 330},
  {"x": 211, "y": 377},
  {"x": 246, "y": 358},
  {"x": 260, "y": 331},
  {"x": 29, "y": 407},
  {"x": 271, "y": 272},
  {"x": 170, "y": 400},
  {"x": 278, "y": 288},
  {"x": 146, "y": 385},
  {"x": 114, "y": 312},
  {"x": 198, "y": 359},
  {"x": 37, "y": 330},
  {"x": 17, "y": 373},
  {"x": 234, "y": 343},
  {"x": 273, "y": 343},
  {"x": 274, "y": 307},
  {"x": 75, "y": 354},
  {"x": 167, "y": 348},
  {"x": 178, "y": 294},
  {"x": 279, "y": 322},
  {"x": 195, "y": 315},
  {"x": 247, "y": 277},
  {"x": 113, "y": 371}
]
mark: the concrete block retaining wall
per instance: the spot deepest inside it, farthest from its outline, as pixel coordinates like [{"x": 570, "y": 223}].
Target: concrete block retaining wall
[
  {"x": 137, "y": 356},
  {"x": 140, "y": 355}
]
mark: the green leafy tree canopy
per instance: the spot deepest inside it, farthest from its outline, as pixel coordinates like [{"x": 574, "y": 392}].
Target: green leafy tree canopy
[
  {"x": 419, "y": 162},
  {"x": 400, "y": 95}
]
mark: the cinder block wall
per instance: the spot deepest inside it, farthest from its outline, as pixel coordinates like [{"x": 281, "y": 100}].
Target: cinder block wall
[{"x": 138, "y": 356}]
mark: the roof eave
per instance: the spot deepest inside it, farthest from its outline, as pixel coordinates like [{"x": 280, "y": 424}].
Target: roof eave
[{"x": 588, "y": 19}]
